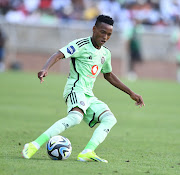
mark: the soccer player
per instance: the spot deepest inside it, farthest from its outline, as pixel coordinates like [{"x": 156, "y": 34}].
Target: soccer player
[{"x": 88, "y": 58}]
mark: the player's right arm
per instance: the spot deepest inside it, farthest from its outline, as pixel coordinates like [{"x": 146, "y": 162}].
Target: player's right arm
[
  {"x": 70, "y": 50},
  {"x": 50, "y": 62}
]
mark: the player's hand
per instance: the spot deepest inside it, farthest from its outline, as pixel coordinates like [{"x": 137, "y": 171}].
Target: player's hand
[
  {"x": 41, "y": 74},
  {"x": 138, "y": 99}
]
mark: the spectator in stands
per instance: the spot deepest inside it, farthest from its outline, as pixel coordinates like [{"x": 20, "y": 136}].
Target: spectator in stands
[
  {"x": 78, "y": 9},
  {"x": 32, "y": 5},
  {"x": 111, "y": 8},
  {"x": 62, "y": 8},
  {"x": 45, "y": 4},
  {"x": 4, "y": 6},
  {"x": 170, "y": 9},
  {"x": 91, "y": 10},
  {"x": 2, "y": 50},
  {"x": 16, "y": 13}
]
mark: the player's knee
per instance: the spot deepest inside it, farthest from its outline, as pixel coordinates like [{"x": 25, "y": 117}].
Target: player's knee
[
  {"x": 113, "y": 120},
  {"x": 75, "y": 116},
  {"x": 109, "y": 118}
]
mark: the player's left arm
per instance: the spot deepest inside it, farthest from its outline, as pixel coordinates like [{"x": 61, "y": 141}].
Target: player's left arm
[{"x": 115, "y": 81}]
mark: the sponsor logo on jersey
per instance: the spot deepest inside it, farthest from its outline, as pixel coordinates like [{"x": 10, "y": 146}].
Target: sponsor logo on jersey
[
  {"x": 90, "y": 76},
  {"x": 102, "y": 60},
  {"x": 71, "y": 50},
  {"x": 94, "y": 69}
]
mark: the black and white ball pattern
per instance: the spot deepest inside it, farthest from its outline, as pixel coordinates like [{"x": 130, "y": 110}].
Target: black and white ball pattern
[{"x": 59, "y": 148}]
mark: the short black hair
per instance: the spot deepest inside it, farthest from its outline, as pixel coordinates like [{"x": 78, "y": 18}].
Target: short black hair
[{"x": 105, "y": 19}]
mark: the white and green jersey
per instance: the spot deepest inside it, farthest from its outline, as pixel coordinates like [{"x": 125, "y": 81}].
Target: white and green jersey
[{"x": 85, "y": 65}]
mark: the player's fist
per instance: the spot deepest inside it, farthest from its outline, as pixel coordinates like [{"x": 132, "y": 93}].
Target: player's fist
[
  {"x": 41, "y": 74},
  {"x": 138, "y": 99}
]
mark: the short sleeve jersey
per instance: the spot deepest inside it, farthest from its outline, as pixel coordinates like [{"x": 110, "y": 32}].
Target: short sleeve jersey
[{"x": 85, "y": 65}]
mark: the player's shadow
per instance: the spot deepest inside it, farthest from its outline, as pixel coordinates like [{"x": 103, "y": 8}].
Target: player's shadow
[
  {"x": 72, "y": 160},
  {"x": 21, "y": 158}
]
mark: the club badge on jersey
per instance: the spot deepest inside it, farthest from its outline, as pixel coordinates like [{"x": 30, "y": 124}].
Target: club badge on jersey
[
  {"x": 71, "y": 50},
  {"x": 102, "y": 60}
]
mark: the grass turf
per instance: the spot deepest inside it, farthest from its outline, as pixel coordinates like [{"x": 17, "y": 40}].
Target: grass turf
[{"x": 144, "y": 141}]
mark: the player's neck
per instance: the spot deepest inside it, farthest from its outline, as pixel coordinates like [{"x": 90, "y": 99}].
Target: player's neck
[{"x": 94, "y": 43}]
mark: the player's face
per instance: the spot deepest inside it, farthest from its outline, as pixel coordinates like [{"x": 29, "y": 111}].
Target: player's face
[{"x": 101, "y": 33}]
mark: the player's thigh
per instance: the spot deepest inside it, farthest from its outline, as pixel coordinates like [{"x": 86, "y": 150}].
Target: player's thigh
[
  {"x": 94, "y": 111},
  {"x": 77, "y": 100}
]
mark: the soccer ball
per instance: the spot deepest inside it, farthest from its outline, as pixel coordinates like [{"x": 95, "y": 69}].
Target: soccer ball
[{"x": 59, "y": 148}]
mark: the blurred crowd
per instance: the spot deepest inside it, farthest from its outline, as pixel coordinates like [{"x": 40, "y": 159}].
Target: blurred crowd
[
  {"x": 150, "y": 12},
  {"x": 129, "y": 15}
]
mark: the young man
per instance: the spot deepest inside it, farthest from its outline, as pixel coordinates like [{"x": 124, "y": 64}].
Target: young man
[{"x": 88, "y": 58}]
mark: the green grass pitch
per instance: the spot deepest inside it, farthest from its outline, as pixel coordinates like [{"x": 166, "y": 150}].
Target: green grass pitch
[{"x": 144, "y": 141}]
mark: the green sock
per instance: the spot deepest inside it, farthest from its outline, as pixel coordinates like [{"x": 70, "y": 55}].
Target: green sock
[
  {"x": 107, "y": 122},
  {"x": 73, "y": 118},
  {"x": 98, "y": 137},
  {"x": 42, "y": 139},
  {"x": 91, "y": 146}
]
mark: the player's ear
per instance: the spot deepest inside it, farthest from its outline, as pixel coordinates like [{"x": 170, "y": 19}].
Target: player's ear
[{"x": 94, "y": 28}]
